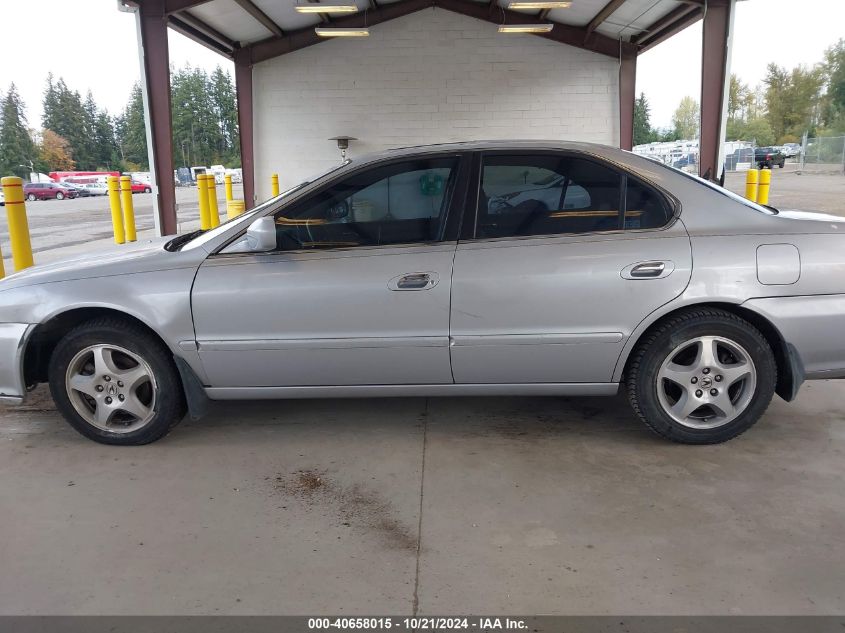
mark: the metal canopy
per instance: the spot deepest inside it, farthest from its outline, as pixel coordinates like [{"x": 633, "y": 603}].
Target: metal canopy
[{"x": 257, "y": 30}]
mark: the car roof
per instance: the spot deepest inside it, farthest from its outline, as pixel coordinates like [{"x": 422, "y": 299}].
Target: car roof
[{"x": 515, "y": 144}]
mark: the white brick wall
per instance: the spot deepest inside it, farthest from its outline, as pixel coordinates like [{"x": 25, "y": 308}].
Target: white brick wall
[{"x": 430, "y": 77}]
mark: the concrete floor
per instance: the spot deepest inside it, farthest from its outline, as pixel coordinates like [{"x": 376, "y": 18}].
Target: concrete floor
[{"x": 502, "y": 505}]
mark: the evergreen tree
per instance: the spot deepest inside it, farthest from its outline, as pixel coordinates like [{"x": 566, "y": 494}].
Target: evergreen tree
[
  {"x": 107, "y": 155},
  {"x": 131, "y": 131},
  {"x": 16, "y": 145},
  {"x": 642, "y": 125},
  {"x": 226, "y": 108}
]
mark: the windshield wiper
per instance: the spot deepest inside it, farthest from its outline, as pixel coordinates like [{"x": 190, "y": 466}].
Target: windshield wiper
[{"x": 180, "y": 240}]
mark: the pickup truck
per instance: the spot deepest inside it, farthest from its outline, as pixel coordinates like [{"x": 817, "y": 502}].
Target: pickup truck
[{"x": 769, "y": 157}]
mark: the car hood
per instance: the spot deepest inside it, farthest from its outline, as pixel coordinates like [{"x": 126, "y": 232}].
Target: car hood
[{"x": 139, "y": 257}]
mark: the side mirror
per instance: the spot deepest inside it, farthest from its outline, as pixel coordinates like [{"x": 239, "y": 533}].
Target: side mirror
[{"x": 261, "y": 235}]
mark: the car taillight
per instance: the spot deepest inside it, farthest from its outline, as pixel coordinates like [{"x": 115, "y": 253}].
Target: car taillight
[{"x": 768, "y": 157}]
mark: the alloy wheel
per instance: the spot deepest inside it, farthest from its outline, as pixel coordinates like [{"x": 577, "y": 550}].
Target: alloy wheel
[
  {"x": 706, "y": 382},
  {"x": 112, "y": 388}
]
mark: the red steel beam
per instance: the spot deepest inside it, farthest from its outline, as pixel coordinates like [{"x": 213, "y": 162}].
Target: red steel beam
[
  {"x": 714, "y": 64},
  {"x": 153, "y": 23},
  {"x": 243, "y": 88},
  {"x": 174, "y": 6},
  {"x": 627, "y": 96},
  {"x": 260, "y": 16},
  {"x": 605, "y": 13},
  {"x": 668, "y": 20}
]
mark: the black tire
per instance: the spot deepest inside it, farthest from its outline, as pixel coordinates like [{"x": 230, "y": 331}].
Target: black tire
[
  {"x": 31, "y": 197},
  {"x": 147, "y": 190},
  {"x": 641, "y": 381},
  {"x": 60, "y": 196},
  {"x": 170, "y": 406},
  {"x": 782, "y": 164}
]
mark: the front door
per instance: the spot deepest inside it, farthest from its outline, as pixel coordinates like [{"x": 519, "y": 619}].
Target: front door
[
  {"x": 567, "y": 257},
  {"x": 357, "y": 292}
]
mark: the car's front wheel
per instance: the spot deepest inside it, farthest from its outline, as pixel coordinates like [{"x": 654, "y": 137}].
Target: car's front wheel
[
  {"x": 31, "y": 197},
  {"x": 116, "y": 383},
  {"x": 702, "y": 376}
]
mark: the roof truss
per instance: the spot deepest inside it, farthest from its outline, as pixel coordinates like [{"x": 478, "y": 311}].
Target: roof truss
[{"x": 281, "y": 42}]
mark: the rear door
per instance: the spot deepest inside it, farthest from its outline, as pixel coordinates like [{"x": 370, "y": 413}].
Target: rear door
[{"x": 565, "y": 256}]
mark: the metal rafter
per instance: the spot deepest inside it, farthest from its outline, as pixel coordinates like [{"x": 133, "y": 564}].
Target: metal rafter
[
  {"x": 602, "y": 15},
  {"x": 188, "y": 21},
  {"x": 675, "y": 15},
  {"x": 258, "y": 14},
  {"x": 563, "y": 33},
  {"x": 175, "y": 6},
  {"x": 668, "y": 31}
]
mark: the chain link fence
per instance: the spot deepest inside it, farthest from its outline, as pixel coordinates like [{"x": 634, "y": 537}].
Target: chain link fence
[{"x": 823, "y": 153}]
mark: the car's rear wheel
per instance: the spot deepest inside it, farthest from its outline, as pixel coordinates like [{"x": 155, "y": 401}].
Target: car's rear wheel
[
  {"x": 147, "y": 190},
  {"x": 702, "y": 376},
  {"x": 60, "y": 196},
  {"x": 31, "y": 197},
  {"x": 116, "y": 383}
]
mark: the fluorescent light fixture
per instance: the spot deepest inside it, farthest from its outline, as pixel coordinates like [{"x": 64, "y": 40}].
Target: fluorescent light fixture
[
  {"x": 327, "y": 7},
  {"x": 539, "y": 4},
  {"x": 525, "y": 28},
  {"x": 327, "y": 31}
]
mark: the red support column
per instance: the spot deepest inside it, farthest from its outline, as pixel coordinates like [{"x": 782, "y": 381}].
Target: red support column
[
  {"x": 627, "y": 96},
  {"x": 243, "y": 85},
  {"x": 152, "y": 27},
  {"x": 715, "y": 59}
]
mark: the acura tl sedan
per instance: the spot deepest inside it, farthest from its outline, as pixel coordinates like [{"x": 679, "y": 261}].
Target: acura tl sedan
[{"x": 394, "y": 275}]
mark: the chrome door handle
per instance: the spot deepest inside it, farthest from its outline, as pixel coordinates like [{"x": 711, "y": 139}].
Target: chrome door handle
[
  {"x": 414, "y": 281},
  {"x": 648, "y": 270},
  {"x": 651, "y": 269}
]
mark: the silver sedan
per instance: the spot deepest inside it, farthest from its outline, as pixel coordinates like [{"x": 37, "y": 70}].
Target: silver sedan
[{"x": 396, "y": 275}]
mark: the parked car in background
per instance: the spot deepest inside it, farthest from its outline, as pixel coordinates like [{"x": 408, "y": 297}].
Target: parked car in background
[
  {"x": 686, "y": 163},
  {"x": 791, "y": 149},
  {"x": 95, "y": 188},
  {"x": 769, "y": 157},
  {"x": 141, "y": 187},
  {"x": 47, "y": 191},
  {"x": 395, "y": 278},
  {"x": 81, "y": 192},
  {"x": 2, "y": 199}
]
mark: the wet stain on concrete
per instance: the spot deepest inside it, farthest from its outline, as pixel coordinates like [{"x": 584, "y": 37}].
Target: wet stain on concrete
[{"x": 354, "y": 506}]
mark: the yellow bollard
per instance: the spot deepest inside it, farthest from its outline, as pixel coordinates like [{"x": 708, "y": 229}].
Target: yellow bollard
[
  {"x": 234, "y": 208},
  {"x": 18, "y": 226},
  {"x": 213, "y": 210},
  {"x": 128, "y": 208},
  {"x": 274, "y": 183},
  {"x": 202, "y": 194},
  {"x": 763, "y": 187},
  {"x": 116, "y": 214},
  {"x": 227, "y": 179},
  {"x": 751, "y": 184}
]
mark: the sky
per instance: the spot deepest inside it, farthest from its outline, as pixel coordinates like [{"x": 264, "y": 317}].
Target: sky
[
  {"x": 786, "y": 32},
  {"x": 104, "y": 58}
]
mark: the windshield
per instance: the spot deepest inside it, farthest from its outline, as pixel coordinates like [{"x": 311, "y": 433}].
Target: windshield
[
  {"x": 712, "y": 185},
  {"x": 200, "y": 237}
]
